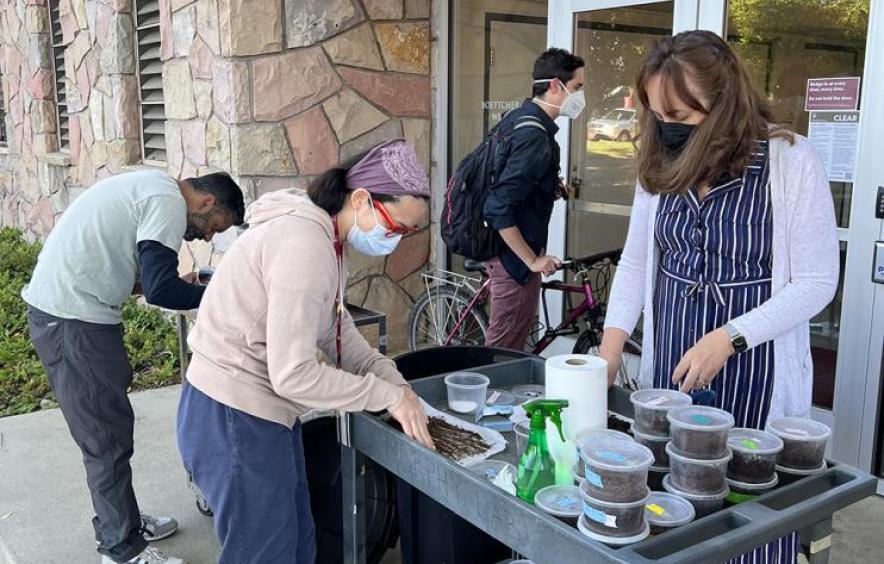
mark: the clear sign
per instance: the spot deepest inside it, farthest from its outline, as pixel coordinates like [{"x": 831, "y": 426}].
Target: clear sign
[
  {"x": 835, "y": 135},
  {"x": 832, "y": 94}
]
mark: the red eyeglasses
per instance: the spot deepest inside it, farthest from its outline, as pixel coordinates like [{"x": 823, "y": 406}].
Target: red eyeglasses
[{"x": 393, "y": 228}]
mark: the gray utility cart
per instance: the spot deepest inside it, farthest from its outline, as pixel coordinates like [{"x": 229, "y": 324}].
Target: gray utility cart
[{"x": 806, "y": 505}]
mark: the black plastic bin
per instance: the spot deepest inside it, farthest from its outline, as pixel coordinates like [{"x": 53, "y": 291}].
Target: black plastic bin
[{"x": 428, "y": 532}]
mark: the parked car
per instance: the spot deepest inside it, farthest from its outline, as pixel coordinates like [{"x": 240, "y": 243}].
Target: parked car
[{"x": 620, "y": 124}]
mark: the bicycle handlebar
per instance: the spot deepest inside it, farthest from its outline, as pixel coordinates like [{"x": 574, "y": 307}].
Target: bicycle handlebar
[{"x": 574, "y": 263}]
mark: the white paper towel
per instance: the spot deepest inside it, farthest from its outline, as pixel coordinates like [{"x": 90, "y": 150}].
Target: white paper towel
[{"x": 583, "y": 381}]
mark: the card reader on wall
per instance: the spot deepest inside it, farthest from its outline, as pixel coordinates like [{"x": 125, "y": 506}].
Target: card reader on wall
[{"x": 878, "y": 263}]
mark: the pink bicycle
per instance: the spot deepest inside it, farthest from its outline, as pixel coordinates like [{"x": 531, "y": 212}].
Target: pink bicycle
[{"x": 453, "y": 310}]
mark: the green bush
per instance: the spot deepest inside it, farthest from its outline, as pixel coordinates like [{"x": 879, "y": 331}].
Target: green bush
[{"x": 151, "y": 340}]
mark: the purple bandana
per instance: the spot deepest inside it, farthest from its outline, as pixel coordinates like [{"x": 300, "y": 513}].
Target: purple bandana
[{"x": 390, "y": 168}]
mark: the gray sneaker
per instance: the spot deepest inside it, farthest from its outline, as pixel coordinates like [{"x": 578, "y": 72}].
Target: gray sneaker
[
  {"x": 157, "y": 528},
  {"x": 149, "y": 556}
]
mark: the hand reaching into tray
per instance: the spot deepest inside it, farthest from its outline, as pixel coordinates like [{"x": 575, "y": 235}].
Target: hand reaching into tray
[{"x": 411, "y": 415}]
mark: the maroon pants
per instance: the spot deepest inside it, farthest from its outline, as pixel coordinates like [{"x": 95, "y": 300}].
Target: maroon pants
[{"x": 513, "y": 308}]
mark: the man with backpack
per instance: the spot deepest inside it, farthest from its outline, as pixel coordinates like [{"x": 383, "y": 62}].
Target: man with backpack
[{"x": 520, "y": 201}]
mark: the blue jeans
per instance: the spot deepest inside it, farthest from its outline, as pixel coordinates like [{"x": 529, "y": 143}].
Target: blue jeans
[{"x": 251, "y": 472}]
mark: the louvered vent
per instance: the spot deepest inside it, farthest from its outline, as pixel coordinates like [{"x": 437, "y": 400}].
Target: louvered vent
[
  {"x": 150, "y": 78},
  {"x": 61, "y": 103}
]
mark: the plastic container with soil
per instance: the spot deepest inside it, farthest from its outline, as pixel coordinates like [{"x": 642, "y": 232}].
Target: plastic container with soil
[
  {"x": 804, "y": 442},
  {"x": 466, "y": 391},
  {"x": 655, "y": 478},
  {"x": 755, "y": 455},
  {"x": 617, "y": 470},
  {"x": 742, "y": 492},
  {"x": 703, "y": 504},
  {"x": 657, "y": 445},
  {"x": 652, "y": 407},
  {"x": 562, "y": 502},
  {"x": 612, "y": 519},
  {"x": 584, "y": 528},
  {"x": 790, "y": 475},
  {"x": 666, "y": 511},
  {"x": 700, "y": 432},
  {"x": 698, "y": 477},
  {"x": 587, "y": 437}
]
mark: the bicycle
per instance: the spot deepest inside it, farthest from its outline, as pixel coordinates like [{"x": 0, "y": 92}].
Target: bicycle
[{"x": 452, "y": 311}]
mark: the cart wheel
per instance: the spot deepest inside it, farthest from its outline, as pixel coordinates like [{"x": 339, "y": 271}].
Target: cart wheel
[{"x": 203, "y": 506}]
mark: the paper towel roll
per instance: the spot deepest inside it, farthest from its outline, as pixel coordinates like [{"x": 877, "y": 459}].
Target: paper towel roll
[{"x": 583, "y": 381}]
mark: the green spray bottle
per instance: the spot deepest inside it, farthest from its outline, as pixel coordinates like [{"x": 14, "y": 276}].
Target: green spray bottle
[{"x": 537, "y": 468}]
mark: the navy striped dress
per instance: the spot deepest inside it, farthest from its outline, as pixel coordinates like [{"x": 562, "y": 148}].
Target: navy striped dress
[{"x": 715, "y": 265}]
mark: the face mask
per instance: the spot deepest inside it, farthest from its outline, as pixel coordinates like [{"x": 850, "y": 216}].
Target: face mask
[
  {"x": 374, "y": 242},
  {"x": 675, "y": 135},
  {"x": 573, "y": 105}
]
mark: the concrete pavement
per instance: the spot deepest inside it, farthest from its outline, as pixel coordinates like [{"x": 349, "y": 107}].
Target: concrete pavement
[{"x": 45, "y": 510}]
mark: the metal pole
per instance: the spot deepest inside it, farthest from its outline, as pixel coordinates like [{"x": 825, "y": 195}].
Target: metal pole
[{"x": 353, "y": 496}]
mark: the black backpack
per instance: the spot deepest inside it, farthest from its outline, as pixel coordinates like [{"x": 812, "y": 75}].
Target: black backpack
[{"x": 464, "y": 229}]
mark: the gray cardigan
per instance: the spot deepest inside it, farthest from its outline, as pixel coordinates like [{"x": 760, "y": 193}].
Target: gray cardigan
[{"x": 805, "y": 274}]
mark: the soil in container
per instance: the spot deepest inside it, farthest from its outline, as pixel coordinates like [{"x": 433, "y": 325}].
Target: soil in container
[
  {"x": 655, "y": 478},
  {"x": 666, "y": 511},
  {"x": 700, "y": 477},
  {"x": 755, "y": 455},
  {"x": 700, "y": 432},
  {"x": 614, "y": 519},
  {"x": 585, "y": 438},
  {"x": 703, "y": 504},
  {"x": 617, "y": 424},
  {"x": 804, "y": 442},
  {"x": 652, "y": 407},
  {"x": 657, "y": 445},
  {"x": 617, "y": 470}
]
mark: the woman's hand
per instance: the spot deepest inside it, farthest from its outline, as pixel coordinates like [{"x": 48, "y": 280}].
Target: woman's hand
[
  {"x": 411, "y": 415},
  {"x": 702, "y": 363},
  {"x": 611, "y": 350}
]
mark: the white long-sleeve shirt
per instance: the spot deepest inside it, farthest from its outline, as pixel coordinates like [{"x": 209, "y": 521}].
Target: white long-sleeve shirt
[{"x": 805, "y": 274}]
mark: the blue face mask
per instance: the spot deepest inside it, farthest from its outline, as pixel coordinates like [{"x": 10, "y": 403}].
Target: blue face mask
[{"x": 374, "y": 242}]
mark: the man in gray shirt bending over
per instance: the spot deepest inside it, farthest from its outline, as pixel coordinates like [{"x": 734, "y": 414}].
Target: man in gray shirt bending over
[{"x": 126, "y": 229}]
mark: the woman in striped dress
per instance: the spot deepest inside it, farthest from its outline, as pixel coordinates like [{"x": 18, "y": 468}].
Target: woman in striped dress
[{"x": 732, "y": 245}]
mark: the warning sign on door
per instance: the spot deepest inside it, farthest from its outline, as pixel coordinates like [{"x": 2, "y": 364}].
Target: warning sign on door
[
  {"x": 832, "y": 94},
  {"x": 835, "y": 135}
]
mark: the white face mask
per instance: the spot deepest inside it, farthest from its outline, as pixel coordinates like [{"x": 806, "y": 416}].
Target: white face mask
[
  {"x": 374, "y": 242},
  {"x": 573, "y": 105}
]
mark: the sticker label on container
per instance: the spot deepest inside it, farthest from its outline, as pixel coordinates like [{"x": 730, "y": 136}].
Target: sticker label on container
[
  {"x": 594, "y": 479},
  {"x": 701, "y": 419},
  {"x": 656, "y": 509},
  {"x": 494, "y": 397},
  {"x": 611, "y": 456},
  {"x": 569, "y": 504},
  {"x": 799, "y": 432},
  {"x": 659, "y": 400},
  {"x": 750, "y": 444},
  {"x": 600, "y": 517}
]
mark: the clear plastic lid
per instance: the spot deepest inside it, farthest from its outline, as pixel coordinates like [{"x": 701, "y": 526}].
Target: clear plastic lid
[
  {"x": 528, "y": 392},
  {"x": 612, "y": 541},
  {"x": 797, "y": 472},
  {"x": 799, "y": 429},
  {"x": 561, "y": 501},
  {"x": 753, "y": 441},
  {"x": 668, "y": 510},
  {"x": 679, "y": 456},
  {"x": 489, "y": 469},
  {"x": 747, "y": 487},
  {"x": 586, "y": 437},
  {"x": 500, "y": 397},
  {"x": 660, "y": 399},
  {"x": 701, "y": 418},
  {"x": 646, "y": 437},
  {"x": 667, "y": 485},
  {"x": 618, "y": 455}
]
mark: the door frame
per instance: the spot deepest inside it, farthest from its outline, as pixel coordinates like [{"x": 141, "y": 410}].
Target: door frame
[{"x": 857, "y": 439}]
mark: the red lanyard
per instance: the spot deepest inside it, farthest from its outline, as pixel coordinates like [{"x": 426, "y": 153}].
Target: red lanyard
[{"x": 339, "y": 297}]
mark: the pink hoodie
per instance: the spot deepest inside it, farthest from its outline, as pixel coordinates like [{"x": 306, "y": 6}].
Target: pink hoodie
[{"x": 269, "y": 312}]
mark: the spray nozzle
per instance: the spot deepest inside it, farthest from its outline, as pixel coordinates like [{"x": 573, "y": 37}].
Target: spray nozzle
[{"x": 539, "y": 410}]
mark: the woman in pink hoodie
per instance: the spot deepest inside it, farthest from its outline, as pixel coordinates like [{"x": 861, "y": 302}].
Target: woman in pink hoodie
[{"x": 273, "y": 305}]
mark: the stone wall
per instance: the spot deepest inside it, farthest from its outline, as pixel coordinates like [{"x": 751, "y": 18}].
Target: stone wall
[{"x": 272, "y": 91}]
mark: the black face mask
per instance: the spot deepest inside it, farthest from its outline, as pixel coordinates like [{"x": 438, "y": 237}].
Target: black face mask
[{"x": 674, "y": 135}]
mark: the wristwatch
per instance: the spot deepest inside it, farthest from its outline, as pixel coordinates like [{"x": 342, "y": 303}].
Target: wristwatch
[{"x": 737, "y": 340}]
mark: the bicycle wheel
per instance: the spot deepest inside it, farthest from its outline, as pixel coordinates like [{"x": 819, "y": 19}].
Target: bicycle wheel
[
  {"x": 435, "y": 315},
  {"x": 627, "y": 376}
]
